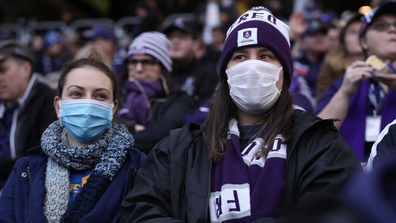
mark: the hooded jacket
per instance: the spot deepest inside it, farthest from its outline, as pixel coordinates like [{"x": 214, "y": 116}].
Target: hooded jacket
[{"x": 174, "y": 182}]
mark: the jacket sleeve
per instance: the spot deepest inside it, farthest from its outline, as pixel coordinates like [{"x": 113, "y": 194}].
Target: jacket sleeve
[
  {"x": 172, "y": 118},
  {"x": 329, "y": 163},
  {"x": 151, "y": 195},
  {"x": 322, "y": 164},
  {"x": 8, "y": 199},
  {"x": 384, "y": 147}
]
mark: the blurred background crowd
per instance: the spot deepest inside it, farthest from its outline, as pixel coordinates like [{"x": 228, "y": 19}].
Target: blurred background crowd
[{"x": 57, "y": 30}]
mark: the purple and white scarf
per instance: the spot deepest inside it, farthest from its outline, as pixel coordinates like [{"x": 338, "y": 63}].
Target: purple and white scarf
[
  {"x": 354, "y": 126},
  {"x": 245, "y": 187}
]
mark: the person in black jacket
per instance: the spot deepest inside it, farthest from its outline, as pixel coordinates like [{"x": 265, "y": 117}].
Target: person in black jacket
[
  {"x": 189, "y": 75},
  {"x": 25, "y": 106},
  {"x": 149, "y": 108},
  {"x": 256, "y": 158}
]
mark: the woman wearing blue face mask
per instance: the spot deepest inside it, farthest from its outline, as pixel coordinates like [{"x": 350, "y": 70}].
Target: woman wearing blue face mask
[
  {"x": 85, "y": 164},
  {"x": 255, "y": 159}
]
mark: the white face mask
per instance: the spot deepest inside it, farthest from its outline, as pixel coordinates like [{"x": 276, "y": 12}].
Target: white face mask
[{"x": 253, "y": 85}]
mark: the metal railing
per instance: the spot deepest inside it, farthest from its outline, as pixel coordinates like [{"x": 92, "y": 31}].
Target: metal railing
[
  {"x": 186, "y": 16},
  {"x": 15, "y": 28},
  {"x": 43, "y": 27},
  {"x": 121, "y": 27},
  {"x": 79, "y": 24}
]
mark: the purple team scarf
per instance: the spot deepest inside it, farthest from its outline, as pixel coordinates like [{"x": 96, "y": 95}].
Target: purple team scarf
[
  {"x": 138, "y": 94},
  {"x": 245, "y": 188},
  {"x": 354, "y": 126}
]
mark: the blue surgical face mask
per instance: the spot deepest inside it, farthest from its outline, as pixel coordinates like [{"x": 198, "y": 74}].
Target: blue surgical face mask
[{"x": 85, "y": 119}]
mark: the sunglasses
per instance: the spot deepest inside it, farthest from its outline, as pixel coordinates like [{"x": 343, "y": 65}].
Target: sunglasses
[
  {"x": 382, "y": 25},
  {"x": 146, "y": 64}
]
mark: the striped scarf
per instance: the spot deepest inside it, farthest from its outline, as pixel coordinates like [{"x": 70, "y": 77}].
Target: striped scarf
[{"x": 244, "y": 187}]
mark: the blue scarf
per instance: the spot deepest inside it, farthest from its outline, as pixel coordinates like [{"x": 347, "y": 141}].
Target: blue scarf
[{"x": 245, "y": 187}]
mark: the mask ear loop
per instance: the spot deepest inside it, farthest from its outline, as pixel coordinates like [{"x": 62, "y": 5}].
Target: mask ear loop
[
  {"x": 166, "y": 89},
  {"x": 60, "y": 110},
  {"x": 279, "y": 70},
  {"x": 164, "y": 85}
]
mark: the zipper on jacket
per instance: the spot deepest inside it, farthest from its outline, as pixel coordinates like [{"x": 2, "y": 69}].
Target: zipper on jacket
[
  {"x": 183, "y": 189},
  {"x": 131, "y": 181},
  {"x": 30, "y": 184},
  {"x": 30, "y": 180},
  {"x": 207, "y": 200}
]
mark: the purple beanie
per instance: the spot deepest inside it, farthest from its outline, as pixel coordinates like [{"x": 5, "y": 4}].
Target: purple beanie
[{"x": 258, "y": 27}]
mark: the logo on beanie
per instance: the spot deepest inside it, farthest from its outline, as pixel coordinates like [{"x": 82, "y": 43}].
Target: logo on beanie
[
  {"x": 247, "y": 34},
  {"x": 247, "y": 37},
  {"x": 260, "y": 17}
]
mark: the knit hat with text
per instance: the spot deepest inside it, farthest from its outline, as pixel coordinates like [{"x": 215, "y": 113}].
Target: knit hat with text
[{"x": 258, "y": 27}]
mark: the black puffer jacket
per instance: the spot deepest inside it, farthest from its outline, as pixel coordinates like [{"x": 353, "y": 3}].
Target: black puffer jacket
[
  {"x": 167, "y": 114},
  {"x": 173, "y": 184}
]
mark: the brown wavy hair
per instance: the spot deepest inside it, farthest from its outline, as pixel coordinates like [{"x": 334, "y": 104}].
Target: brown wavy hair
[{"x": 339, "y": 58}]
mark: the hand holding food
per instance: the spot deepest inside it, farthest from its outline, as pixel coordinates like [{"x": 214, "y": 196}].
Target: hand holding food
[{"x": 380, "y": 66}]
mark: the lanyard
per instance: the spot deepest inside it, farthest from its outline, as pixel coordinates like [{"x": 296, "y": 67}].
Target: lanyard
[{"x": 376, "y": 96}]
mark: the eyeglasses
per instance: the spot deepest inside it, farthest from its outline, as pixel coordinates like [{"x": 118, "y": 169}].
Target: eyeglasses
[
  {"x": 382, "y": 25},
  {"x": 146, "y": 64}
]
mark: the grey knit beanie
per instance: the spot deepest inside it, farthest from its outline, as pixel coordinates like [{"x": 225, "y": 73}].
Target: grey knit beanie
[{"x": 154, "y": 44}]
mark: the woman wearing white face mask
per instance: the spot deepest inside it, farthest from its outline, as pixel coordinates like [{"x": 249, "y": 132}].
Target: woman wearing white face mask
[
  {"x": 255, "y": 158},
  {"x": 85, "y": 164}
]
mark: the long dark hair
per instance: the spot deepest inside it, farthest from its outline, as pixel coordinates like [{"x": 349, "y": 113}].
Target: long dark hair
[{"x": 278, "y": 120}]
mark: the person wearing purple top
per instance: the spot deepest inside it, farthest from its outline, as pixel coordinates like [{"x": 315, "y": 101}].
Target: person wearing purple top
[
  {"x": 149, "y": 109},
  {"x": 256, "y": 158},
  {"x": 364, "y": 99}
]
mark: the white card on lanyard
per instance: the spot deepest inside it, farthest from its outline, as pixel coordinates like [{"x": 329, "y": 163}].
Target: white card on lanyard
[{"x": 373, "y": 126}]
